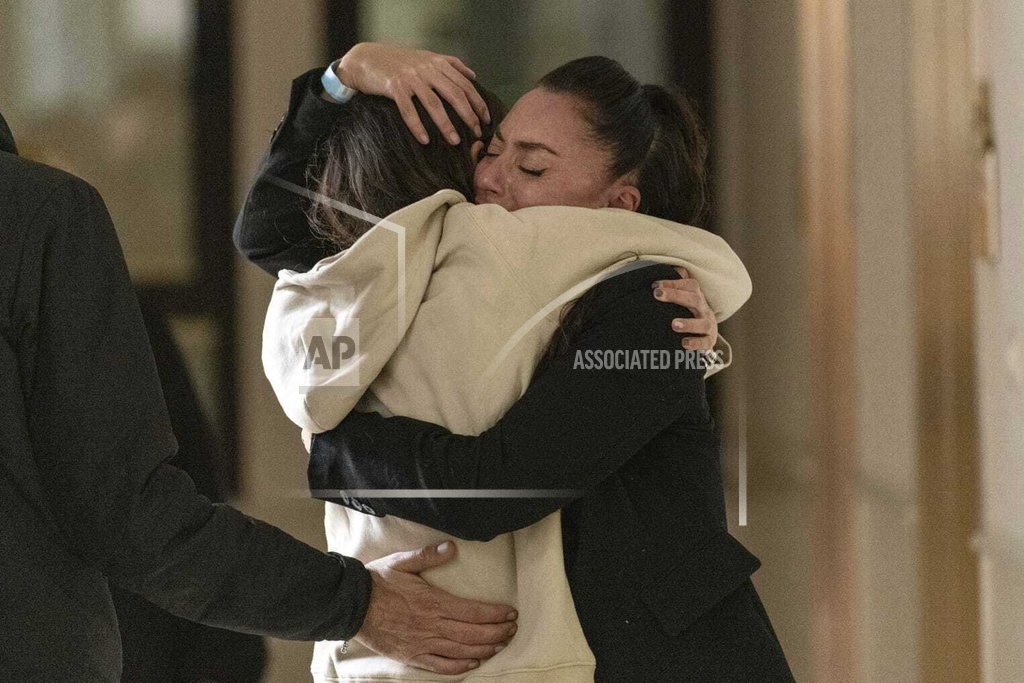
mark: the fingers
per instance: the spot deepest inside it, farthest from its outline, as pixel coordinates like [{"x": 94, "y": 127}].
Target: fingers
[
  {"x": 454, "y": 650},
  {"x": 684, "y": 297},
  {"x": 461, "y": 66},
  {"x": 475, "y": 150},
  {"x": 442, "y": 665},
  {"x": 416, "y": 561},
  {"x": 412, "y": 119},
  {"x": 449, "y": 79},
  {"x": 458, "y": 97},
  {"x": 699, "y": 343},
  {"x": 469, "y": 91},
  {"x": 696, "y": 326},
  {"x": 474, "y": 612},
  {"x": 702, "y": 329},
  {"x": 432, "y": 103},
  {"x": 476, "y": 634},
  {"x": 688, "y": 284}
]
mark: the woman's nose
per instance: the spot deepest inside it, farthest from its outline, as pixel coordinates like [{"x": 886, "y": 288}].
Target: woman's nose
[{"x": 490, "y": 177}]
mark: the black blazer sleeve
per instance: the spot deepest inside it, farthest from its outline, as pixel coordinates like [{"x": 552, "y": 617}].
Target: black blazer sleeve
[
  {"x": 570, "y": 430},
  {"x": 272, "y": 229},
  {"x": 101, "y": 440}
]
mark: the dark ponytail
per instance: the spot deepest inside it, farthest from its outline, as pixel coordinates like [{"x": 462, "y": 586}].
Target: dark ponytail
[
  {"x": 651, "y": 132},
  {"x": 672, "y": 177}
]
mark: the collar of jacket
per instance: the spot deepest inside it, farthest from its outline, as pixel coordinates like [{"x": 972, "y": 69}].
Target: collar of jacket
[{"x": 6, "y": 138}]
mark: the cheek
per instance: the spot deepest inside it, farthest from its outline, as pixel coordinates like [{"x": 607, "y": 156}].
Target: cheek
[{"x": 559, "y": 191}]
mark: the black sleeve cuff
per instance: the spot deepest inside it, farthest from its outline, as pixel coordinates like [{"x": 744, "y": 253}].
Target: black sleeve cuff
[
  {"x": 311, "y": 115},
  {"x": 360, "y": 583}
]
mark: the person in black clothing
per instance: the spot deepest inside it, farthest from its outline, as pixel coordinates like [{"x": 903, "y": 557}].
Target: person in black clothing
[
  {"x": 662, "y": 590},
  {"x": 155, "y": 644},
  {"x": 87, "y": 497}
]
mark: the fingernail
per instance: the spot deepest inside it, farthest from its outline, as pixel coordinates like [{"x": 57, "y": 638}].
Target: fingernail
[
  {"x": 423, "y": 138},
  {"x": 656, "y": 283},
  {"x": 479, "y": 132},
  {"x": 498, "y": 648},
  {"x": 659, "y": 293},
  {"x": 512, "y": 616},
  {"x": 453, "y": 137},
  {"x": 487, "y": 116},
  {"x": 444, "y": 547},
  {"x": 474, "y": 664},
  {"x": 677, "y": 324}
]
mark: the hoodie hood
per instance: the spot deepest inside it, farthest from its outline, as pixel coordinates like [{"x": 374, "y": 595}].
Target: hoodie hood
[{"x": 6, "y": 138}]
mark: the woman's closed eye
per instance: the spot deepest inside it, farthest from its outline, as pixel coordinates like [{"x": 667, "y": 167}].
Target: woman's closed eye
[{"x": 535, "y": 172}]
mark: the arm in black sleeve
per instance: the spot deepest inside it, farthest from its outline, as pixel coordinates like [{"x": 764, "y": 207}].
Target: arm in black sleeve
[
  {"x": 272, "y": 229},
  {"x": 571, "y": 429},
  {"x": 101, "y": 439}
]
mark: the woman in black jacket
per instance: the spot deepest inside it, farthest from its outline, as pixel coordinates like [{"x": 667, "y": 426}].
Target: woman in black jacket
[{"x": 661, "y": 588}]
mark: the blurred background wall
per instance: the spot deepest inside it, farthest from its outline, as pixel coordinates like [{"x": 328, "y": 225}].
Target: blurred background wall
[{"x": 873, "y": 419}]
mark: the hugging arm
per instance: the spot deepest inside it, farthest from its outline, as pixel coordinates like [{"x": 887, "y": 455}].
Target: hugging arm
[
  {"x": 571, "y": 429},
  {"x": 272, "y": 229}
]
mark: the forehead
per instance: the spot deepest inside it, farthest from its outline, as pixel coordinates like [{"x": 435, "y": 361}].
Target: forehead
[{"x": 549, "y": 117}]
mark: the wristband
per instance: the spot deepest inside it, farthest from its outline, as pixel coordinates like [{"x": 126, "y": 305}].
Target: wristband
[{"x": 338, "y": 91}]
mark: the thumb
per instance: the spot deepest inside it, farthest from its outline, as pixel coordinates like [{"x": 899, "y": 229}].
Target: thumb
[{"x": 426, "y": 557}]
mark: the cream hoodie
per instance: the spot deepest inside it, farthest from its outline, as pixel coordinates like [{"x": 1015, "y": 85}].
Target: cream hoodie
[{"x": 441, "y": 312}]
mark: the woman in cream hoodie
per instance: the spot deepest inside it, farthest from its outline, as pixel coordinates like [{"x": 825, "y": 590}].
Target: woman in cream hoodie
[{"x": 400, "y": 292}]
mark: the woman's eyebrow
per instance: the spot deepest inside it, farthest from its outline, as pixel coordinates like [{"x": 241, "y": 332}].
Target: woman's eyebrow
[{"x": 521, "y": 144}]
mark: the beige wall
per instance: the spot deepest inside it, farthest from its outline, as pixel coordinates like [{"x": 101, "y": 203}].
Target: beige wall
[
  {"x": 758, "y": 198},
  {"x": 886, "y": 550},
  {"x": 274, "y": 41},
  {"x": 757, "y": 208},
  {"x": 998, "y": 37}
]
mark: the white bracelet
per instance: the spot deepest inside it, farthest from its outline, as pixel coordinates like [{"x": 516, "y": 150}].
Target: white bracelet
[{"x": 338, "y": 91}]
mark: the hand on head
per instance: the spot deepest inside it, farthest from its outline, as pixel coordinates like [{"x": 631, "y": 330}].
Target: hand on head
[{"x": 400, "y": 73}]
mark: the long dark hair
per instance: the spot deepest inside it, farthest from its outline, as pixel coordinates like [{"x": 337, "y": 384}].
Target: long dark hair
[
  {"x": 653, "y": 133},
  {"x": 373, "y": 163}
]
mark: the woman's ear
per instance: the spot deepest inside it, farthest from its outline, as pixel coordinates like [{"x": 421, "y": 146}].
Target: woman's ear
[{"x": 624, "y": 195}]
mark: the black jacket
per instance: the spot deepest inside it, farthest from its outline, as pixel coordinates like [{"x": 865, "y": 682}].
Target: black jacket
[
  {"x": 86, "y": 495},
  {"x": 155, "y": 644},
  {"x": 661, "y": 588}
]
